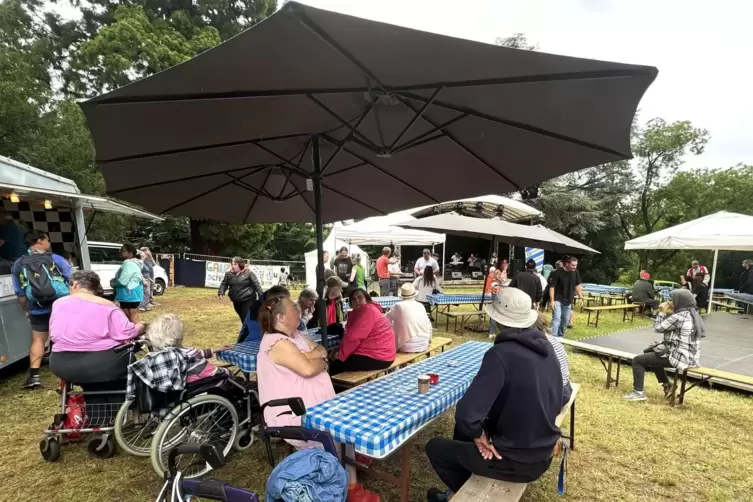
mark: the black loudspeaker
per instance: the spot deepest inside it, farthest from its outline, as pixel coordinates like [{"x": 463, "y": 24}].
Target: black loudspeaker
[{"x": 516, "y": 266}]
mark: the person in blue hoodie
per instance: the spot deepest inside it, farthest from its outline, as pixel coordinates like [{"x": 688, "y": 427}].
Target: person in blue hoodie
[{"x": 504, "y": 424}]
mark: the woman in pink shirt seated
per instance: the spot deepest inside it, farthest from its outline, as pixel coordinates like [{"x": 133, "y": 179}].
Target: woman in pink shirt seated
[
  {"x": 289, "y": 365},
  {"x": 84, "y": 328},
  {"x": 369, "y": 341}
]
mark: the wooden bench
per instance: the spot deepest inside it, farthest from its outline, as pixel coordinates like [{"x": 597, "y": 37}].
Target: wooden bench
[
  {"x": 607, "y": 357},
  {"x": 481, "y": 489},
  {"x": 350, "y": 379},
  {"x": 727, "y": 307},
  {"x": 630, "y": 306},
  {"x": 463, "y": 316},
  {"x": 703, "y": 375}
]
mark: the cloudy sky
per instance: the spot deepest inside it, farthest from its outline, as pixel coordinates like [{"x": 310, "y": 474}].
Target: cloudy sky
[{"x": 703, "y": 50}]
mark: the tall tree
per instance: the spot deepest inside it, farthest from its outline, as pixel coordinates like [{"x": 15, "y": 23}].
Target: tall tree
[{"x": 659, "y": 149}]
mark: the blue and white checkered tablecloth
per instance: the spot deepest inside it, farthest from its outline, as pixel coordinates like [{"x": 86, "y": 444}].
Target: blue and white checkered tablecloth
[
  {"x": 385, "y": 301},
  {"x": 244, "y": 354},
  {"x": 379, "y": 416},
  {"x": 741, "y": 297},
  {"x": 466, "y": 298}
]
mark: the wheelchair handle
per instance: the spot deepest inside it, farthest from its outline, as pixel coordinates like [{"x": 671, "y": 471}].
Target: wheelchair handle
[{"x": 134, "y": 345}]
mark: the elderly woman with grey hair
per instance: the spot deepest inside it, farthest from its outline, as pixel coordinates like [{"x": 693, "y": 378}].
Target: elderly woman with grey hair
[
  {"x": 166, "y": 333},
  {"x": 307, "y": 306}
]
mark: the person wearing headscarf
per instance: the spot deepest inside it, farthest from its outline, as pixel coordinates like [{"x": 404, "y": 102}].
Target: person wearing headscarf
[{"x": 680, "y": 348}]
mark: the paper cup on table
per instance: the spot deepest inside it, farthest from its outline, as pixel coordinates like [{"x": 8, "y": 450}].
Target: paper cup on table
[{"x": 423, "y": 384}]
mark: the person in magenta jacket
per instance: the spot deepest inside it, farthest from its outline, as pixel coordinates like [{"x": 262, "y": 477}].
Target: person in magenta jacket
[{"x": 369, "y": 341}]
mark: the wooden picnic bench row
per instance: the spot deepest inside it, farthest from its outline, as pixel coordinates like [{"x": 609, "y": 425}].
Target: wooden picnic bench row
[
  {"x": 350, "y": 379},
  {"x": 481, "y": 489}
]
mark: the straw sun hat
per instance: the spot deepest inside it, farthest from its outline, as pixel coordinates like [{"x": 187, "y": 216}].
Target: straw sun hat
[{"x": 407, "y": 291}]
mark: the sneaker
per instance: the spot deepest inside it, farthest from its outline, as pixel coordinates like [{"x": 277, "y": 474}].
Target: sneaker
[
  {"x": 436, "y": 495},
  {"x": 33, "y": 382},
  {"x": 636, "y": 396},
  {"x": 141, "y": 309},
  {"x": 357, "y": 493}
]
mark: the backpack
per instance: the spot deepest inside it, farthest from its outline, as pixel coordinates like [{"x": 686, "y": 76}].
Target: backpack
[{"x": 41, "y": 279}]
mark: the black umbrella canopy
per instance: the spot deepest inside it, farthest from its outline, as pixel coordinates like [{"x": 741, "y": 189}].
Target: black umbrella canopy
[
  {"x": 400, "y": 118},
  {"x": 535, "y": 236}
]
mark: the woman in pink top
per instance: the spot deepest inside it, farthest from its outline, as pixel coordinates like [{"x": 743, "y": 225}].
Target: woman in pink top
[
  {"x": 289, "y": 365},
  {"x": 84, "y": 328},
  {"x": 369, "y": 341}
]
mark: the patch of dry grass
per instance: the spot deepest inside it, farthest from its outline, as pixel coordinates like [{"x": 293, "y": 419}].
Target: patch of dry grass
[{"x": 624, "y": 451}]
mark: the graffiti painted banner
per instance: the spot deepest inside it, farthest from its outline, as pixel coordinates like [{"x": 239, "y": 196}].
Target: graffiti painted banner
[{"x": 268, "y": 275}]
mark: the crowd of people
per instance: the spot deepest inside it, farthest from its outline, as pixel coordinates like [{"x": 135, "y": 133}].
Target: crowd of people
[{"x": 52, "y": 296}]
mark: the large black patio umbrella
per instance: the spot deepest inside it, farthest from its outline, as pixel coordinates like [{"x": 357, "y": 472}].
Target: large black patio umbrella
[{"x": 316, "y": 116}]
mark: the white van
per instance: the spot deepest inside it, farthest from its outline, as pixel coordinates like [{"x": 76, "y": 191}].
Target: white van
[{"x": 106, "y": 260}]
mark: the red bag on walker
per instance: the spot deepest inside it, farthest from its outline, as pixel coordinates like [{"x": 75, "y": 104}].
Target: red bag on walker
[{"x": 75, "y": 415}]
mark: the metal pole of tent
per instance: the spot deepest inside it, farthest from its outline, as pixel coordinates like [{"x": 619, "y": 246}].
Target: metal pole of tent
[
  {"x": 83, "y": 247},
  {"x": 713, "y": 277},
  {"x": 444, "y": 254},
  {"x": 321, "y": 309},
  {"x": 486, "y": 279}
]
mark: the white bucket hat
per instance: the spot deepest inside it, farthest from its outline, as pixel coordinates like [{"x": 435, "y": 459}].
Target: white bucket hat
[
  {"x": 407, "y": 291},
  {"x": 512, "y": 308}
]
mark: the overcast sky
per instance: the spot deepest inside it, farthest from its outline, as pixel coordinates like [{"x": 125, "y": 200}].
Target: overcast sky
[{"x": 703, "y": 50}]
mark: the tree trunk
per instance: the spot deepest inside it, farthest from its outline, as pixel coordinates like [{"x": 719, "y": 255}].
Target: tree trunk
[{"x": 197, "y": 245}]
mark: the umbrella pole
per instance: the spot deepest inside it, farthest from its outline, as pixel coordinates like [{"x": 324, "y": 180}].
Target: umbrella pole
[
  {"x": 486, "y": 278},
  {"x": 321, "y": 309}
]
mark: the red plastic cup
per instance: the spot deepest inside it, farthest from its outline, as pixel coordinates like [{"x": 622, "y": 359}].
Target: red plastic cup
[{"x": 433, "y": 378}]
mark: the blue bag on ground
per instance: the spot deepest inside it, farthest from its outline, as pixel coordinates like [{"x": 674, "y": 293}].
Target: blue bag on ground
[{"x": 311, "y": 475}]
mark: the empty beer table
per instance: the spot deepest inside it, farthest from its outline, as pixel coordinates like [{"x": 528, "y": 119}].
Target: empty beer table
[
  {"x": 243, "y": 355},
  {"x": 384, "y": 415}
]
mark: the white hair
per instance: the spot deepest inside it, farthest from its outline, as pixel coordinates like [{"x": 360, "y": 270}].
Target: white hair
[
  {"x": 308, "y": 294},
  {"x": 165, "y": 331}
]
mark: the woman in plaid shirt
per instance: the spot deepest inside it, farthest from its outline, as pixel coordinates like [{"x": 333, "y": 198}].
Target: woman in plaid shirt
[{"x": 680, "y": 348}]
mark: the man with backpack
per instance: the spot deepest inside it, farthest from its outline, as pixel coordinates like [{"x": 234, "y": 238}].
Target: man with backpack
[{"x": 39, "y": 278}]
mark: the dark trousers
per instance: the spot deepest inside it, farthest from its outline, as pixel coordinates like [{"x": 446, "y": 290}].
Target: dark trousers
[
  {"x": 454, "y": 460},
  {"x": 393, "y": 286},
  {"x": 652, "y": 361},
  {"x": 652, "y": 304},
  {"x": 358, "y": 363},
  {"x": 384, "y": 287},
  {"x": 242, "y": 307}
]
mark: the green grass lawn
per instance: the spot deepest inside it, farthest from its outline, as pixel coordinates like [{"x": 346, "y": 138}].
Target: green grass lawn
[{"x": 624, "y": 452}]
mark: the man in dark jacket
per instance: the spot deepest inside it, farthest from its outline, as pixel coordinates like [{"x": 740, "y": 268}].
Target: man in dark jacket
[
  {"x": 644, "y": 292},
  {"x": 528, "y": 282},
  {"x": 745, "y": 282},
  {"x": 504, "y": 424}
]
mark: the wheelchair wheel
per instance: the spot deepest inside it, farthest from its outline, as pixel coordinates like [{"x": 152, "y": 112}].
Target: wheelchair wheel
[
  {"x": 50, "y": 449},
  {"x": 244, "y": 439},
  {"x": 98, "y": 449},
  {"x": 133, "y": 431},
  {"x": 202, "y": 419}
]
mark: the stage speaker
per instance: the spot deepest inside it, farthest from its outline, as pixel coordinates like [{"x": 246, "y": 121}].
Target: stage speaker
[
  {"x": 516, "y": 266},
  {"x": 457, "y": 275},
  {"x": 477, "y": 274}
]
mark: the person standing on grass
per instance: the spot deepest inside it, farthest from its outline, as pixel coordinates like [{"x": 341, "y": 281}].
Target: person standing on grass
[
  {"x": 128, "y": 283},
  {"x": 426, "y": 260},
  {"x": 505, "y": 423},
  {"x": 563, "y": 284},
  {"x": 680, "y": 348},
  {"x": 425, "y": 286},
  {"x": 241, "y": 285},
  {"x": 395, "y": 273},
  {"x": 147, "y": 276},
  {"x": 383, "y": 273},
  {"x": 359, "y": 276},
  {"x": 54, "y": 272},
  {"x": 528, "y": 282},
  {"x": 343, "y": 268}
]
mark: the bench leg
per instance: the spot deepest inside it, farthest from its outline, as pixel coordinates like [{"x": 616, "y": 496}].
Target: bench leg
[
  {"x": 617, "y": 380},
  {"x": 572, "y": 426},
  {"x": 682, "y": 387},
  {"x": 609, "y": 371},
  {"x": 596, "y": 325}
]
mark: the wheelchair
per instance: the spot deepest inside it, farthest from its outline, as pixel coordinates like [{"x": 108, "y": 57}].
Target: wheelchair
[
  {"x": 176, "y": 487},
  {"x": 220, "y": 411},
  {"x": 78, "y": 419}
]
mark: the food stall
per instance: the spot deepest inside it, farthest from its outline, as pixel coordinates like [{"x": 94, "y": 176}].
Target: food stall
[{"x": 35, "y": 199}]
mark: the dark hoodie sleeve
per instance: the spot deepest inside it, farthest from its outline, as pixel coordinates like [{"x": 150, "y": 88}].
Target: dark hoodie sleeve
[{"x": 474, "y": 407}]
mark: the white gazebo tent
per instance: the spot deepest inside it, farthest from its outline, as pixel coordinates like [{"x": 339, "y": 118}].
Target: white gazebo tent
[{"x": 720, "y": 231}]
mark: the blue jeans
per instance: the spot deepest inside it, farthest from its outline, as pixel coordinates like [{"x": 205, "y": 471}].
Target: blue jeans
[{"x": 560, "y": 318}]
